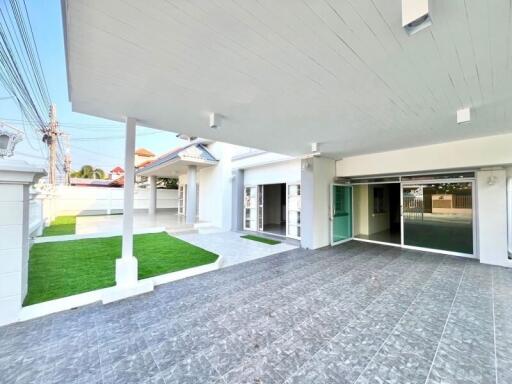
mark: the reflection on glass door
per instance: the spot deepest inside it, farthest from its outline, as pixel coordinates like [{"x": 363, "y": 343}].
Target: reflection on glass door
[
  {"x": 293, "y": 208},
  {"x": 439, "y": 216},
  {"x": 341, "y": 215},
  {"x": 250, "y": 208}
]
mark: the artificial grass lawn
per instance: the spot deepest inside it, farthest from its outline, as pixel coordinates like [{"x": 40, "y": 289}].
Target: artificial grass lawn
[
  {"x": 64, "y": 268},
  {"x": 62, "y": 225},
  {"x": 260, "y": 239}
]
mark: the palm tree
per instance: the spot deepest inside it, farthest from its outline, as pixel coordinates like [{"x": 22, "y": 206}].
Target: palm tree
[{"x": 89, "y": 172}]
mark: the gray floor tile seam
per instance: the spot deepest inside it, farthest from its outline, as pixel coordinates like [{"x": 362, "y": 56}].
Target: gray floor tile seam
[
  {"x": 444, "y": 329},
  {"x": 355, "y": 318},
  {"x": 312, "y": 293},
  {"x": 278, "y": 279},
  {"x": 271, "y": 277},
  {"x": 198, "y": 281},
  {"x": 260, "y": 319},
  {"x": 339, "y": 270},
  {"x": 240, "y": 300},
  {"x": 411, "y": 266},
  {"x": 251, "y": 357},
  {"x": 393, "y": 332}
]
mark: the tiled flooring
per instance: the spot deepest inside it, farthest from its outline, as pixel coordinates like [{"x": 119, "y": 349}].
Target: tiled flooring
[{"x": 357, "y": 313}]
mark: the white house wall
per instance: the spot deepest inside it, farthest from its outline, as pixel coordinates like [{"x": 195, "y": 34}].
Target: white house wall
[
  {"x": 255, "y": 158},
  {"x": 492, "y": 217},
  {"x": 215, "y": 190},
  {"x": 480, "y": 152},
  {"x": 281, "y": 172}
]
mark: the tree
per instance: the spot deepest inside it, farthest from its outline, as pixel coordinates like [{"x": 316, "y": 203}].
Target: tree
[{"x": 89, "y": 172}]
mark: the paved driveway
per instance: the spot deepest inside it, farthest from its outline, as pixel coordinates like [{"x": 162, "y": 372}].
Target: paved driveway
[{"x": 357, "y": 313}]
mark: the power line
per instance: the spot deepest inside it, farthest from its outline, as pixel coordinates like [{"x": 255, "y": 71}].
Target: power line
[{"x": 21, "y": 71}]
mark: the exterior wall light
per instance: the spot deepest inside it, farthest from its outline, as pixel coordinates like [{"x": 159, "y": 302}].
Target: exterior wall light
[{"x": 8, "y": 141}]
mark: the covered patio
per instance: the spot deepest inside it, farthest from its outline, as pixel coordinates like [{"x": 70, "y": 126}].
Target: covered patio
[{"x": 355, "y": 313}]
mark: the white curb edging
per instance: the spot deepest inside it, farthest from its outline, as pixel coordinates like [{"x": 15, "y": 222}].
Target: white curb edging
[{"x": 52, "y": 239}]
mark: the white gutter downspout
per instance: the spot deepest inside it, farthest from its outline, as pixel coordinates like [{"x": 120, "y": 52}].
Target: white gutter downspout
[{"x": 509, "y": 215}]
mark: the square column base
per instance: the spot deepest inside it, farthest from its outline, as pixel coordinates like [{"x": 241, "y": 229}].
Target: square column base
[
  {"x": 127, "y": 283},
  {"x": 126, "y": 271}
]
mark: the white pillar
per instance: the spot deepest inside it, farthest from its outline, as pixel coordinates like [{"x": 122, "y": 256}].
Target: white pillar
[
  {"x": 126, "y": 266},
  {"x": 152, "y": 195},
  {"x": 15, "y": 180},
  {"x": 191, "y": 194}
]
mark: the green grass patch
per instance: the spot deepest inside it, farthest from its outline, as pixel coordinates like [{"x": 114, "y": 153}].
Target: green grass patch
[
  {"x": 260, "y": 239},
  {"x": 66, "y": 268},
  {"x": 62, "y": 225}
]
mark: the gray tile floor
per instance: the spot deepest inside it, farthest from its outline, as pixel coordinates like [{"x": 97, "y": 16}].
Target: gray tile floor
[{"x": 357, "y": 313}]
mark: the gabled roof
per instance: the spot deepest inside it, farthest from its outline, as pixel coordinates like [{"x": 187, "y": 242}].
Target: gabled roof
[{"x": 193, "y": 152}]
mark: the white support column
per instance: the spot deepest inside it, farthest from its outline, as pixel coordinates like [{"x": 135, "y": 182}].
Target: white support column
[
  {"x": 127, "y": 283},
  {"x": 126, "y": 266},
  {"x": 152, "y": 195},
  {"x": 191, "y": 212}
]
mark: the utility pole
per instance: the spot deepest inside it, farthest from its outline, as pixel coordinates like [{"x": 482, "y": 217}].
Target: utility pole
[
  {"x": 67, "y": 161},
  {"x": 51, "y": 138}
]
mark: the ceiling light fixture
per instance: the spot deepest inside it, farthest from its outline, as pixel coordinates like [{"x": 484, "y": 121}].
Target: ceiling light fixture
[
  {"x": 415, "y": 16},
  {"x": 463, "y": 115},
  {"x": 215, "y": 120}
]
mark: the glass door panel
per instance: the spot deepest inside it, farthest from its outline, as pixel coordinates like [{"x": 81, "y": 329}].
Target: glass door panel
[
  {"x": 439, "y": 216},
  {"x": 250, "y": 208},
  {"x": 293, "y": 215},
  {"x": 260, "y": 207},
  {"x": 341, "y": 205}
]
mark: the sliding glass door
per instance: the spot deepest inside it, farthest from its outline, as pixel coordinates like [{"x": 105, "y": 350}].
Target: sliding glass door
[
  {"x": 341, "y": 213},
  {"x": 439, "y": 215}
]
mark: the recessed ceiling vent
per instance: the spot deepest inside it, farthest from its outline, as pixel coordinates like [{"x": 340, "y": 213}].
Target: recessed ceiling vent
[{"x": 415, "y": 15}]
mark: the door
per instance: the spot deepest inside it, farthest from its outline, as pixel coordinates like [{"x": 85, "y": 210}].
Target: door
[
  {"x": 293, "y": 204},
  {"x": 341, "y": 213},
  {"x": 439, "y": 215},
  {"x": 182, "y": 196},
  {"x": 251, "y": 208}
]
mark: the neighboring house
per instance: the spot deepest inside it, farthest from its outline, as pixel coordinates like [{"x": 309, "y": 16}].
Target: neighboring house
[{"x": 115, "y": 173}]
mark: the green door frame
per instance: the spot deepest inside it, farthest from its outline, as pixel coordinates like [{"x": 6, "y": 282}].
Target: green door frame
[{"x": 343, "y": 220}]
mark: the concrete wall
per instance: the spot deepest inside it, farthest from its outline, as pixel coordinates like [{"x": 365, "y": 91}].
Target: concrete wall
[
  {"x": 481, "y": 152},
  {"x": 317, "y": 177},
  {"x": 492, "y": 217},
  {"x": 360, "y": 214}
]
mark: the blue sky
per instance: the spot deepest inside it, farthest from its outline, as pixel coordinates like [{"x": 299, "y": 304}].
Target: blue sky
[{"x": 45, "y": 16}]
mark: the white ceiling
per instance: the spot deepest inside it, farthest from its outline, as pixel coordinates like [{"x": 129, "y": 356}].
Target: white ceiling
[{"x": 288, "y": 73}]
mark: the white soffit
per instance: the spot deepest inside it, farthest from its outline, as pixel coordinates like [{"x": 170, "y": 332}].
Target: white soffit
[{"x": 287, "y": 73}]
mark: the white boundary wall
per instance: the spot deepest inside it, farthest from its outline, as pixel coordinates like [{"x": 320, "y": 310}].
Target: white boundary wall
[{"x": 79, "y": 200}]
